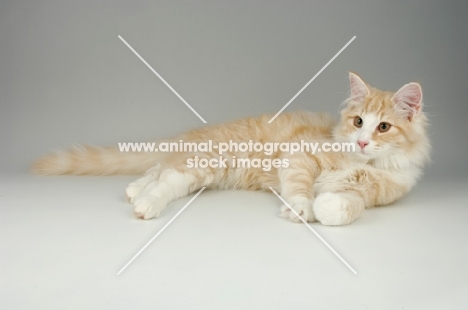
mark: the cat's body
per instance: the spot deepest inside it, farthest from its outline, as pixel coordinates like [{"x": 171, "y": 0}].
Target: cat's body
[{"x": 388, "y": 129}]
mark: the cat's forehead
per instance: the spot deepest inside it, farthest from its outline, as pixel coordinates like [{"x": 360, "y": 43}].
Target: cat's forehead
[{"x": 379, "y": 103}]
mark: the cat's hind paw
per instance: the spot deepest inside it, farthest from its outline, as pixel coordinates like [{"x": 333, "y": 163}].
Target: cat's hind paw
[
  {"x": 138, "y": 186},
  {"x": 133, "y": 190},
  {"x": 147, "y": 207},
  {"x": 303, "y": 209}
]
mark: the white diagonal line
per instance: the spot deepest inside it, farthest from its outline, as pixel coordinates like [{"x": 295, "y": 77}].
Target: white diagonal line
[
  {"x": 313, "y": 230},
  {"x": 159, "y": 232},
  {"x": 311, "y": 80},
  {"x": 163, "y": 80}
]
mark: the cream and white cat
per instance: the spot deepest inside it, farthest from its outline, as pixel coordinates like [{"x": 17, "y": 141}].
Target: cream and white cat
[{"x": 388, "y": 130}]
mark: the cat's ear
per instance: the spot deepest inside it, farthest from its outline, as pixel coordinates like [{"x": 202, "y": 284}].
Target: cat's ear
[
  {"x": 359, "y": 89},
  {"x": 408, "y": 99}
]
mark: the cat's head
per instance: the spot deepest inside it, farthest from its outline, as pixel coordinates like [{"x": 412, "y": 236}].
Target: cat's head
[{"x": 384, "y": 125}]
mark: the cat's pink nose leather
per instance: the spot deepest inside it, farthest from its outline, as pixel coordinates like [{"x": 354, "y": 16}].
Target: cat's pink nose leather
[{"x": 362, "y": 144}]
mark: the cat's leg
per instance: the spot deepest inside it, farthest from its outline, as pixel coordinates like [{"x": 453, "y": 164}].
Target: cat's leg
[
  {"x": 170, "y": 180},
  {"x": 170, "y": 185},
  {"x": 343, "y": 196},
  {"x": 340, "y": 196},
  {"x": 296, "y": 183},
  {"x": 338, "y": 208},
  {"x": 135, "y": 188}
]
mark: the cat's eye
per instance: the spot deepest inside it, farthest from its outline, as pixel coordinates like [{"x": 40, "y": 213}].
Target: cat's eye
[
  {"x": 384, "y": 127},
  {"x": 358, "y": 122}
]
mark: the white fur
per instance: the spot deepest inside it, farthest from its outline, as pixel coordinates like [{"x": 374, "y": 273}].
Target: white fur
[
  {"x": 159, "y": 191},
  {"x": 135, "y": 188},
  {"x": 337, "y": 209},
  {"x": 370, "y": 122}
]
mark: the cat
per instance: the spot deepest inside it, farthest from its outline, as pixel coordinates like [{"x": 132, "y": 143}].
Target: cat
[{"x": 388, "y": 131}]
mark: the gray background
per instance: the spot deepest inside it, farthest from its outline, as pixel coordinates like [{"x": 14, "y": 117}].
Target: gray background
[{"x": 65, "y": 77}]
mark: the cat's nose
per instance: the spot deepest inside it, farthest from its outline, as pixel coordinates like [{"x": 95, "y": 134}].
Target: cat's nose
[{"x": 362, "y": 144}]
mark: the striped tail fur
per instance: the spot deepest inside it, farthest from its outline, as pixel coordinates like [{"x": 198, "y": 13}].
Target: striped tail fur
[{"x": 91, "y": 160}]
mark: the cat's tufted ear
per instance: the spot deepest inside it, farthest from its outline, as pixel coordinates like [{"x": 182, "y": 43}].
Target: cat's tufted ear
[
  {"x": 359, "y": 89},
  {"x": 408, "y": 100}
]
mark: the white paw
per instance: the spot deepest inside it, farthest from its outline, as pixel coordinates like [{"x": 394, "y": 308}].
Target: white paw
[
  {"x": 147, "y": 207},
  {"x": 138, "y": 186},
  {"x": 303, "y": 209},
  {"x": 133, "y": 189},
  {"x": 333, "y": 209}
]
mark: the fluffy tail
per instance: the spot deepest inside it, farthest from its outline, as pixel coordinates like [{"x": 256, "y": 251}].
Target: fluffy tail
[{"x": 89, "y": 160}]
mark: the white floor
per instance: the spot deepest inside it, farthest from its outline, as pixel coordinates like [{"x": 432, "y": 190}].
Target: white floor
[{"x": 63, "y": 240}]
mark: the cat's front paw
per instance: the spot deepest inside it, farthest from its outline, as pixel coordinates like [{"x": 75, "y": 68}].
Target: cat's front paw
[
  {"x": 147, "y": 207},
  {"x": 302, "y": 208},
  {"x": 333, "y": 209}
]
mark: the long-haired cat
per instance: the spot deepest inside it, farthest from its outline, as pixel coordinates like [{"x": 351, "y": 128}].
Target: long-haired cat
[{"x": 388, "y": 130}]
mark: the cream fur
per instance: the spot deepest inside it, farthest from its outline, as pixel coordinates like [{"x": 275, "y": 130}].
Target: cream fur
[{"x": 333, "y": 188}]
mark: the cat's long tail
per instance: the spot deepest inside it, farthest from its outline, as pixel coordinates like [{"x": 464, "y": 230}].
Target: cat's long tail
[{"x": 90, "y": 160}]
